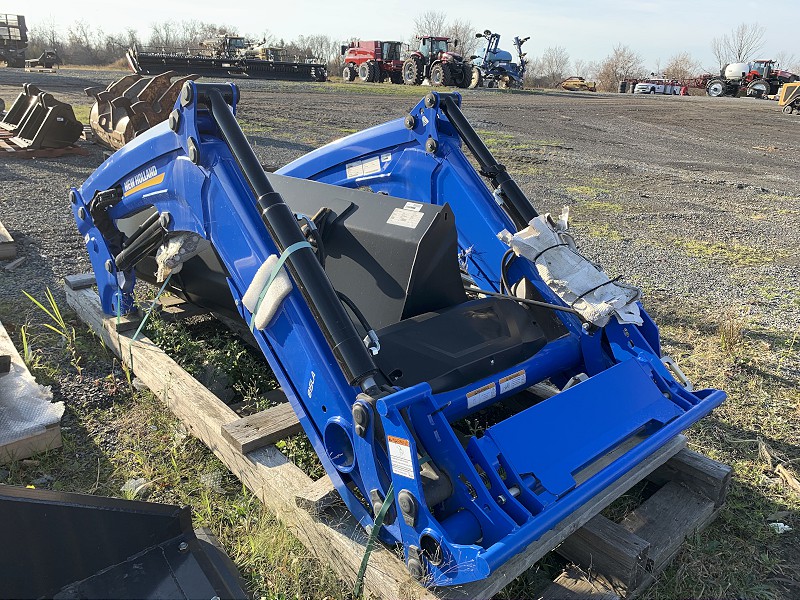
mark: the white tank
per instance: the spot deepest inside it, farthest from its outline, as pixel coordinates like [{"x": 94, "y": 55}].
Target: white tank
[{"x": 736, "y": 70}]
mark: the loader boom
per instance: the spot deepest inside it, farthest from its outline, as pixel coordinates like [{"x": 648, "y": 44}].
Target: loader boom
[{"x": 391, "y": 235}]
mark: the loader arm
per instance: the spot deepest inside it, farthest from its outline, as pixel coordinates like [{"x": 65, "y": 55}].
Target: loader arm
[{"x": 399, "y": 241}]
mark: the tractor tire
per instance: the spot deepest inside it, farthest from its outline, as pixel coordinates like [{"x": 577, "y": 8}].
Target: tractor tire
[
  {"x": 396, "y": 77},
  {"x": 715, "y": 88},
  {"x": 477, "y": 78},
  {"x": 413, "y": 71},
  {"x": 441, "y": 74},
  {"x": 788, "y": 109},
  {"x": 369, "y": 72},
  {"x": 758, "y": 88},
  {"x": 465, "y": 70},
  {"x": 349, "y": 73}
]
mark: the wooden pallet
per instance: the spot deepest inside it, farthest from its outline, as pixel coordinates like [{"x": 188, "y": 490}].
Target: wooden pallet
[
  {"x": 312, "y": 510},
  {"x": 44, "y": 439}
]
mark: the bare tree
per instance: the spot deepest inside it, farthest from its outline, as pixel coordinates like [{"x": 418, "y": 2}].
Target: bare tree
[
  {"x": 463, "y": 31},
  {"x": 46, "y": 36},
  {"x": 431, "y": 22},
  {"x": 623, "y": 63},
  {"x": 554, "y": 65},
  {"x": 786, "y": 60},
  {"x": 682, "y": 66},
  {"x": 740, "y": 44},
  {"x": 581, "y": 68}
]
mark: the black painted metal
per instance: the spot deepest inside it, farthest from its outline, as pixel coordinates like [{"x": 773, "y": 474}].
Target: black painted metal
[
  {"x": 65, "y": 545},
  {"x": 522, "y": 211},
  {"x": 350, "y": 352}
]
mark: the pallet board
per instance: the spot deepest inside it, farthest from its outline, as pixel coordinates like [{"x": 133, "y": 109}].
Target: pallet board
[
  {"x": 313, "y": 511},
  {"x": 47, "y": 437}
]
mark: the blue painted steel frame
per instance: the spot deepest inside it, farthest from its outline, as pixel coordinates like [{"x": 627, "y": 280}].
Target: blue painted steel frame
[{"x": 511, "y": 484}]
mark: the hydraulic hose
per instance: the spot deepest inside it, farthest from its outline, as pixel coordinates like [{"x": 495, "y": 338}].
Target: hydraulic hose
[{"x": 350, "y": 353}]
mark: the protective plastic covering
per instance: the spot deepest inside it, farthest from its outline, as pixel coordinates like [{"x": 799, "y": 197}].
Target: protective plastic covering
[
  {"x": 577, "y": 281},
  {"x": 25, "y": 406}
]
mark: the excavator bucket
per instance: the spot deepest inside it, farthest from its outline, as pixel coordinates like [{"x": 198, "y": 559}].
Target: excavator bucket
[
  {"x": 458, "y": 366},
  {"x": 132, "y": 105},
  {"x": 38, "y": 120}
]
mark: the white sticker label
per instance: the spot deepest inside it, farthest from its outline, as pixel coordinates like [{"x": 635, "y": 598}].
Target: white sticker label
[
  {"x": 405, "y": 218},
  {"x": 386, "y": 157},
  {"x": 360, "y": 168},
  {"x": 425, "y": 120},
  {"x": 400, "y": 455},
  {"x": 354, "y": 169},
  {"x": 515, "y": 380},
  {"x": 413, "y": 206},
  {"x": 481, "y": 395}
]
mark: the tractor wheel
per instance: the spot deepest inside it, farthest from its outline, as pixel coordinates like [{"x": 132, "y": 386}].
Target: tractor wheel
[
  {"x": 374, "y": 71},
  {"x": 788, "y": 109},
  {"x": 504, "y": 83},
  {"x": 349, "y": 73},
  {"x": 397, "y": 77},
  {"x": 477, "y": 78},
  {"x": 365, "y": 71},
  {"x": 758, "y": 88},
  {"x": 441, "y": 75},
  {"x": 715, "y": 88},
  {"x": 413, "y": 71},
  {"x": 466, "y": 75}
]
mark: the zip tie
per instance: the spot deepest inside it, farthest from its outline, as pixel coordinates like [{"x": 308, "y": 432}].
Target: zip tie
[
  {"x": 595, "y": 288},
  {"x": 277, "y": 269},
  {"x": 373, "y": 535}
]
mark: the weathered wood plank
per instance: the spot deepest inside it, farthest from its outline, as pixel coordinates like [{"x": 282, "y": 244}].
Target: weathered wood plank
[
  {"x": 338, "y": 542},
  {"x": 80, "y": 282},
  {"x": 318, "y": 496},
  {"x": 519, "y": 563},
  {"x": 8, "y": 247},
  {"x": 699, "y": 473},
  {"x": 262, "y": 429},
  {"x": 667, "y": 518},
  {"x": 574, "y": 585},
  {"x": 620, "y": 556},
  {"x": 172, "y": 308}
]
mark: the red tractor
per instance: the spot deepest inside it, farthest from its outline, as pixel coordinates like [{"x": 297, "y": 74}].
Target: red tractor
[
  {"x": 436, "y": 62},
  {"x": 373, "y": 61}
]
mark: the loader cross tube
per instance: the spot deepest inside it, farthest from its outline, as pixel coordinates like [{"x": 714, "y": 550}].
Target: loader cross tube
[
  {"x": 522, "y": 211},
  {"x": 351, "y": 354}
]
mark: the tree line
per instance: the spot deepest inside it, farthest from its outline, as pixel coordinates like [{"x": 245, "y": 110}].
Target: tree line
[{"x": 84, "y": 44}]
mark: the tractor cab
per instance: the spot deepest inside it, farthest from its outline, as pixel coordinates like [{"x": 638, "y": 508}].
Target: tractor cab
[
  {"x": 434, "y": 45},
  {"x": 392, "y": 50},
  {"x": 762, "y": 68}
]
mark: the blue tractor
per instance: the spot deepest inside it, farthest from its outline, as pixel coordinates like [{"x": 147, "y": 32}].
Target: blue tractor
[{"x": 493, "y": 67}]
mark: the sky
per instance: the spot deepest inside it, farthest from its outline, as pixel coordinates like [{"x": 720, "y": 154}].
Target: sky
[{"x": 588, "y": 30}]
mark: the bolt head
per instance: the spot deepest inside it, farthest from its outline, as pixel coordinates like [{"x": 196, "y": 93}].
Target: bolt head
[
  {"x": 174, "y": 120},
  {"x": 194, "y": 151},
  {"x": 109, "y": 266},
  {"x": 183, "y": 547},
  {"x": 431, "y": 146},
  {"x": 430, "y": 100},
  {"x": 187, "y": 94},
  {"x": 73, "y": 196},
  {"x": 82, "y": 212},
  {"x": 410, "y": 122}
]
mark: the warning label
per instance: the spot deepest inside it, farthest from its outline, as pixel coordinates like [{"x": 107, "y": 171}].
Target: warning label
[
  {"x": 400, "y": 455},
  {"x": 360, "y": 168},
  {"x": 481, "y": 395},
  {"x": 510, "y": 382},
  {"x": 405, "y": 218}
]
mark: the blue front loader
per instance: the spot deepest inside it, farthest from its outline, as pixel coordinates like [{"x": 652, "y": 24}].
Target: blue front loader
[{"x": 391, "y": 235}]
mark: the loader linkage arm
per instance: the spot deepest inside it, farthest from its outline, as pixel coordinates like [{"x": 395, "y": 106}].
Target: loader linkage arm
[{"x": 386, "y": 250}]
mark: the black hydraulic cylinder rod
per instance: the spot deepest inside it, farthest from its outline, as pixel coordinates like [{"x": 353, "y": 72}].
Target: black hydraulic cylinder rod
[
  {"x": 497, "y": 172},
  {"x": 351, "y": 354},
  {"x": 144, "y": 244}
]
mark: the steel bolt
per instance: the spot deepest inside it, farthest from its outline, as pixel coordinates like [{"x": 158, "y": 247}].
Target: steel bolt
[
  {"x": 431, "y": 146},
  {"x": 164, "y": 219},
  {"x": 73, "y": 197},
  {"x": 430, "y": 100},
  {"x": 174, "y": 120},
  {"x": 109, "y": 266},
  {"x": 187, "y": 94},
  {"x": 82, "y": 212},
  {"x": 410, "y": 122},
  {"x": 194, "y": 151},
  {"x": 183, "y": 547}
]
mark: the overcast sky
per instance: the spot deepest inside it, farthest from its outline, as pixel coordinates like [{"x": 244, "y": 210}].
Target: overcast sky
[{"x": 588, "y": 30}]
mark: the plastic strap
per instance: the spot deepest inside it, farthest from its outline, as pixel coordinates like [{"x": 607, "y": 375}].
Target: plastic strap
[
  {"x": 277, "y": 269},
  {"x": 373, "y": 535},
  {"x": 144, "y": 319}
]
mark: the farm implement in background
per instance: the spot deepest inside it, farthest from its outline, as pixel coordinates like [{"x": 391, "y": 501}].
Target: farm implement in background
[
  {"x": 467, "y": 378},
  {"x": 227, "y": 56},
  {"x": 36, "y": 120},
  {"x": 132, "y": 105},
  {"x": 493, "y": 67}
]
